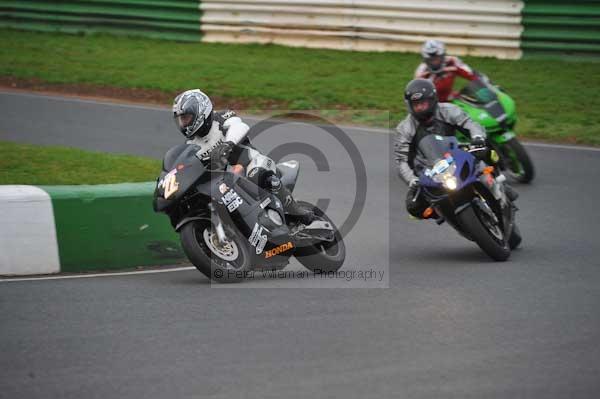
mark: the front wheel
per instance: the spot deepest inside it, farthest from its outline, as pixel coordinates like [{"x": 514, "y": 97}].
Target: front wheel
[
  {"x": 517, "y": 162},
  {"x": 227, "y": 262},
  {"x": 324, "y": 256},
  {"x": 487, "y": 236}
]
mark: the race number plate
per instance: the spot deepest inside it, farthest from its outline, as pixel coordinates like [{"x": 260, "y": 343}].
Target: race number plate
[{"x": 169, "y": 184}]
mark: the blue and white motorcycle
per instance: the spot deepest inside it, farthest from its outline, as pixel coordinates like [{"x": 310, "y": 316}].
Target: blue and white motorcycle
[{"x": 468, "y": 194}]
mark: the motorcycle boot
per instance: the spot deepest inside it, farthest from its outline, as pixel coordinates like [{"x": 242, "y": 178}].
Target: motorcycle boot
[{"x": 290, "y": 205}]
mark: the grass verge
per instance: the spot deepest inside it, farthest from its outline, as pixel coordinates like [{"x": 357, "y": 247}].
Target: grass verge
[
  {"x": 556, "y": 100},
  {"x": 41, "y": 165}
]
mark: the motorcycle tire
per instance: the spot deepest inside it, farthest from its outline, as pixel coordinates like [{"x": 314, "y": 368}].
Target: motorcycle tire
[
  {"x": 231, "y": 264},
  {"x": 471, "y": 222},
  {"x": 519, "y": 164}
]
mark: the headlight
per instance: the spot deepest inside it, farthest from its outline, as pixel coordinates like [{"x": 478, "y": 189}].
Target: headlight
[
  {"x": 443, "y": 172},
  {"x": 450, "y": 183}
]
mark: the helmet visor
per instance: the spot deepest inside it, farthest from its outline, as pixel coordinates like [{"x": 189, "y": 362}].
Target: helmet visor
[
  {"x": 421, "y": 106},
  {"x": 184, "y": 121},
  {"x": 435, "y": 61}
]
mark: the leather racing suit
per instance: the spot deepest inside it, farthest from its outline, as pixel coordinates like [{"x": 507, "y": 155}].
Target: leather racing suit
[
  {"x": 446, "y": 119},
  {"x": 444, "y": 80},
  {"x": 260, "y": 169}
]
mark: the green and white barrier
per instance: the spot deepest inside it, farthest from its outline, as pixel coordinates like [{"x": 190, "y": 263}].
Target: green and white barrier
[
  {"x": 161, "y": 19},
  {"x": 51, "y": 229},
  {"x": 474, "y": 27},
  {"x": 499, "y": 28},
  {"x": 561, "y": 27}
]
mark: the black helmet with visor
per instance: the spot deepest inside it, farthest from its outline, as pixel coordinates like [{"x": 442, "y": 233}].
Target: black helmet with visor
[{"x": 421, "y": 99}]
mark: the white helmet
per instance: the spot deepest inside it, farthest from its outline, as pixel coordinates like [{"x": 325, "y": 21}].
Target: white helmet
[
  {"x": 434, "y": 54},
  {"x": 193, "y": 112}
]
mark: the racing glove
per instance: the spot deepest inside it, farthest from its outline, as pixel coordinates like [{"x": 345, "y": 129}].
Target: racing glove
[
  {"x": 478, "y": 142},
  {"x": 479, "y": 149},
  {"x": 220, "y": 155},
  {"x": 413, "y": 189}
]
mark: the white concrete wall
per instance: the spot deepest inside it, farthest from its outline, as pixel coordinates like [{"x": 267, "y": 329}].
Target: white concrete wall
[
  {"x": 475, "y": 27},
  {"x": 28, "y": 242}
]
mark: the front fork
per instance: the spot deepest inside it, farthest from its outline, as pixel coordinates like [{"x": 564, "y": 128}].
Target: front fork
[
  {"x": 507, "y": 208},
  {"x": 214, "y": 217}
]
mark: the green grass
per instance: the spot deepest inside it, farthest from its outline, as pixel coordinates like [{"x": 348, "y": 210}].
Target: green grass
[
  {"x": 556, "y": 100},
  {"x": 39, "y": 165}
]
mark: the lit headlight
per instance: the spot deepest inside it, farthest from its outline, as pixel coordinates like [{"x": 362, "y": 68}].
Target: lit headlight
[
  {"x": 450, "y": 183},
  {"x": 443, "y": 172},
  {"x": 274, "y": 217}
]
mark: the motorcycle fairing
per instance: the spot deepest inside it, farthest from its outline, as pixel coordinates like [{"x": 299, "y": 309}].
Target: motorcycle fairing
[{"x": 185, "y": 168}]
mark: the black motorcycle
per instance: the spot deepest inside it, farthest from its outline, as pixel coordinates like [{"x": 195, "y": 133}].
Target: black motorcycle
[{"x": 230, "y": 227}]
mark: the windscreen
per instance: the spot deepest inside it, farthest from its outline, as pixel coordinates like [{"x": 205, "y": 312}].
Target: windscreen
[
  {"x": 478, "y": 92},
  {"x": 433, "y": 147},
  {"x": 183, "y": 154}
]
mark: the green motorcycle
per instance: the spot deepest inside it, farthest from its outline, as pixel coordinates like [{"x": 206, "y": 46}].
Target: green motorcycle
[{"x": 495, "y": 111}]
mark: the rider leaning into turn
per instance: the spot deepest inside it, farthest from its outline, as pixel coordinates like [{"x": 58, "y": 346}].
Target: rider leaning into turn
[
  {"x": 442, "y": 69},
  {"x": 223, "y": 136},
  {"x": 427, "y": 116}
]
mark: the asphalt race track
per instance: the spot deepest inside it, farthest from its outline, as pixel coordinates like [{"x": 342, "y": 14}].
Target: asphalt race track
[{"x": 452, "y": 323}]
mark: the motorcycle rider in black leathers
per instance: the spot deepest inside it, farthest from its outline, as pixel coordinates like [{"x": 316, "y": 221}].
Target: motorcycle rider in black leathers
[
  {"x": 222, "y": 138},
  {"x": 427, "y": 116}
]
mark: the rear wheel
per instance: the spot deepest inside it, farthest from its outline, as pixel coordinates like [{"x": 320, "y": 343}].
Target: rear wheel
[
  {"x": 517, "y": 161},
  {"x": 324, "y": 256},
  {"x": 485, "y": 231},
  {"x": 227, "y": 262}
]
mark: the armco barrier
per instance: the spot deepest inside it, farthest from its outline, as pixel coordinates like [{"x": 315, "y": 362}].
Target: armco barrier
[
  {"x": 476, "y": 27},
  {"x": 48, "y": 229},
  {"x": 553, "y": 26},
  {"x": 177, "y": 20}
]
